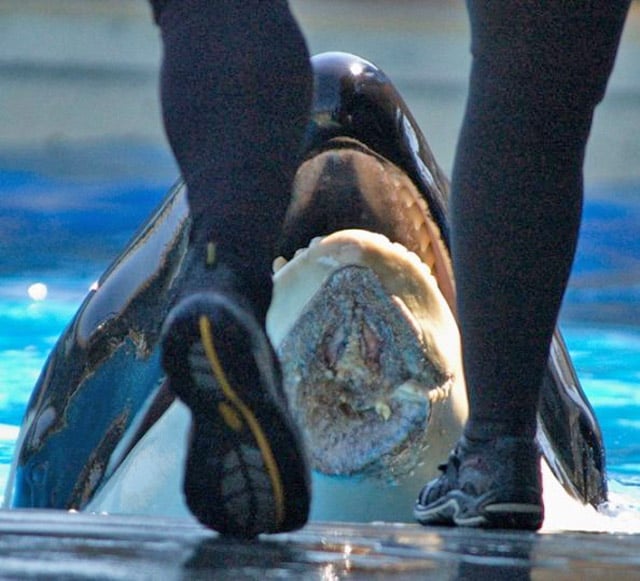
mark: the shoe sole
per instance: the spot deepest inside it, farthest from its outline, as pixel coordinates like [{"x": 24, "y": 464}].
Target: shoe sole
[
  {"x": 456, "y": 508},
  {"x": 245, "y": 473}
]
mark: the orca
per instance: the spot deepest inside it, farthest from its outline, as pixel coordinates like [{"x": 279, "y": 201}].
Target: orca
[{"x": 363, "y": 319}]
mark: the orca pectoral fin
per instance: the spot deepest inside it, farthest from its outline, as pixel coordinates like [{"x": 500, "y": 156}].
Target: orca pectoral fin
[{"x": 568, "y": 430}]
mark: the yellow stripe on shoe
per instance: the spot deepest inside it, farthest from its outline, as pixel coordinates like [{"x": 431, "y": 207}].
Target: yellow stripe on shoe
[{"x": 231, "y": 419}]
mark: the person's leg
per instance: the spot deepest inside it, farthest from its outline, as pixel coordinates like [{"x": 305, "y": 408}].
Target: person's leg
[
  {"x": 539, "y": 69},
  {"x": 236, "y": 92}
]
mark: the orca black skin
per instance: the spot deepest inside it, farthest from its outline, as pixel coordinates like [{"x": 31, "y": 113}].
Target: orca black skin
[{"x": 104, "y": 371}]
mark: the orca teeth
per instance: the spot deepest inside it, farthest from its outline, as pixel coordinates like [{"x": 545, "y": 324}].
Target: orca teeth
[
  {"x": 440, "y": 393},
  {"x": 279, "y": 263}
]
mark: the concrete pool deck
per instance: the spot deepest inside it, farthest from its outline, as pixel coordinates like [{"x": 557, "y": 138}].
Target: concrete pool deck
[{"x": 55, "y": 545}]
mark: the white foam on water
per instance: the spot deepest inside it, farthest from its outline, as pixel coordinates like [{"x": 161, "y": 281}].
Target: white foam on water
[
  {"x": 8, "y": 437},
  {"x": 8, "y": 433},
  {"x": 621, "y": 514}
]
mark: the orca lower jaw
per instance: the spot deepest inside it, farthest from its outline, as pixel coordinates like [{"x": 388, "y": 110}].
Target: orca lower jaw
[{"x": 370, "y": 355}]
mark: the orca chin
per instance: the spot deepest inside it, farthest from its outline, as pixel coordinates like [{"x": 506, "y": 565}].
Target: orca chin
[{"x": 363, "y": 319}]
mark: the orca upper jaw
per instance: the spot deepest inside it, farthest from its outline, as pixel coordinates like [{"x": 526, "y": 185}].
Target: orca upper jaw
[
  {"x": 344, "y": 185},
  {"x": 354, "y": 98}
]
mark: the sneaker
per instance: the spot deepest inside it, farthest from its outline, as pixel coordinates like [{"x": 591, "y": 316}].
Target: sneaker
[
  {"x": 492, "y": 484},
  {"x": 246, "y": 472}
]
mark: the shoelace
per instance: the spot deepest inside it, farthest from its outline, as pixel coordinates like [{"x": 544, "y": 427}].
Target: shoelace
[{"x": 444, "y": 482}]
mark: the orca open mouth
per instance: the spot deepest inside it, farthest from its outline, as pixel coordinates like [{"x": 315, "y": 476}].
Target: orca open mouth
[{"x": 363, "y": 326}]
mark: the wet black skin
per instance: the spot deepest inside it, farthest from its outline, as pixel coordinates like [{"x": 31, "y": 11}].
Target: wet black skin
[{"x": 105, "y": 367}]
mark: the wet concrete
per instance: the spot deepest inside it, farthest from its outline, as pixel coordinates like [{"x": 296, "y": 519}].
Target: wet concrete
[{"x": 56, "y": 545}]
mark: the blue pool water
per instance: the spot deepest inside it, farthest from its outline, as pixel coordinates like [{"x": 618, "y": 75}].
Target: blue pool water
[{"x": 62, "y": 228}]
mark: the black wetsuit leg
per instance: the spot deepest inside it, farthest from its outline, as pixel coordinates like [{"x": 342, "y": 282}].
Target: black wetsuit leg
[
  {"x": 236, "y": 92},
  {"x": 539, "y": 69}
]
